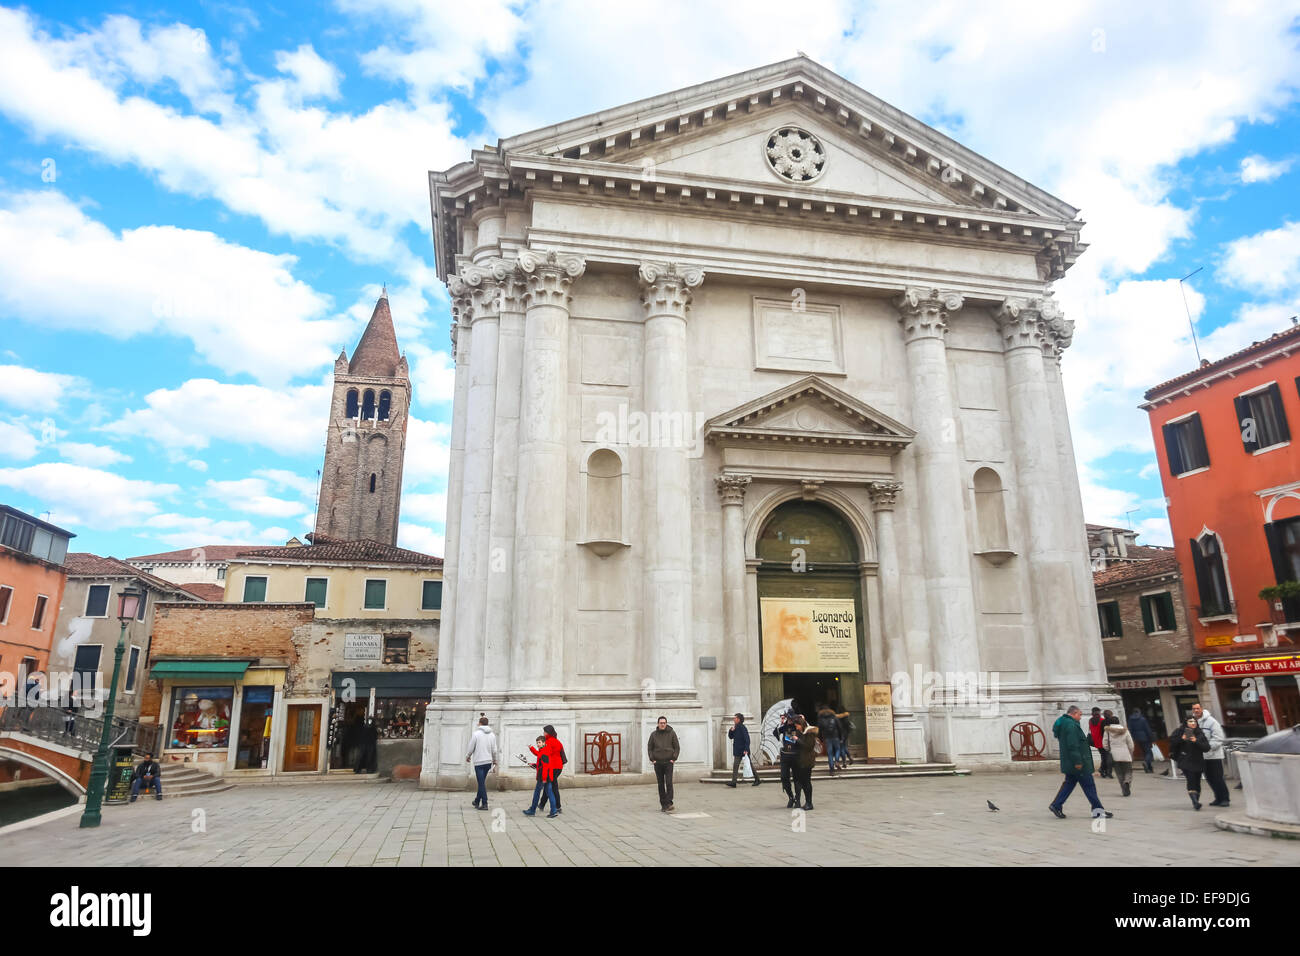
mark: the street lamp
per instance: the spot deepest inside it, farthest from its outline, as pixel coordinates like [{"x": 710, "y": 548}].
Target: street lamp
[{"x": 128, "y": 603}]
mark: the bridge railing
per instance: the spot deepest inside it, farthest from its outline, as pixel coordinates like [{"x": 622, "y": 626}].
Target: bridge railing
[{"x": 76, "y": 731}]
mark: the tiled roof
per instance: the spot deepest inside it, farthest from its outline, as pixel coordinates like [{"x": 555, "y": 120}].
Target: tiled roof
[
  {"x": 211, "y": 554},
  {"x": 1210, "y": 367},
  {"x": 377, "y": 352},
  {"x": 1163, "y": 563},
  {"x": 205, "y": 591},
  {"x": 325, "y": 550},
  {"x": 86, "y": 565}
]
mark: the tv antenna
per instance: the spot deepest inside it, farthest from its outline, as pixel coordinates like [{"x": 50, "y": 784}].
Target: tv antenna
[{"x": 1195, "y": 345}]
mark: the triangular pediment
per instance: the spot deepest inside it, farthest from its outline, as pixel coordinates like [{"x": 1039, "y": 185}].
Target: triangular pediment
[
  {"x": 808, "y": 412},
  {"x": 874, "y": 149}
]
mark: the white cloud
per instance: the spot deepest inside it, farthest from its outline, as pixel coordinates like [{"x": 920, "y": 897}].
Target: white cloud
[
  {"x": 1265, "y": 263},
  {"x": 96, "y": 456},
  {"x": 429, "y": 508},
  {"x": 1258, "y": 169},
  {"x": 306, "y": 487},
  {"x": 433, "y": 374},
  {"x": 313, "y": 77},
  {"x": 419, "y": 538},
  {"x": 16, "y": 442},
  {"x": 251, "y": 495},
  {"x": 182, "y": 531},
  {"x": 243, "y": 309},
  {"x": 197, "y": 464},
  {"x": 31, "y": 389},
  {"x": 77, "y": 495},
  {"x": 286, "y": 421},
  {"x": 1155, "y": 531},
  {"x": 428, "y": 452}
]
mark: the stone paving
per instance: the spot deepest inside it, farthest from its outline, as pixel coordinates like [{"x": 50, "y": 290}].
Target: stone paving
[{"x": 923, "y": 821}]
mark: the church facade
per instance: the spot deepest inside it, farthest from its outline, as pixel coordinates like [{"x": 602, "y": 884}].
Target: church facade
[{"x": 758, "y": 398}]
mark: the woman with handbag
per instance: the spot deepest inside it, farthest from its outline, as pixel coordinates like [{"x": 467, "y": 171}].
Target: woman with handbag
[
  {"x": 1120, "y": 743},
  {"x": 1187, "y": 749}
]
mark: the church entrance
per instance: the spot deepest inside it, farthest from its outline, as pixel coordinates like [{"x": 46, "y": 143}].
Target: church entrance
[{"x": 812, "y": 643}]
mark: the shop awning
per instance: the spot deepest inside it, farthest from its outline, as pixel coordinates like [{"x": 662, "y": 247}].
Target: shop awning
[
  {"x": 388, "y": 683},
  {"x": 229, "y": 669}
]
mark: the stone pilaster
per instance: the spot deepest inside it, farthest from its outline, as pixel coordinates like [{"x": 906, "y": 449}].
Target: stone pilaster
[
  {"x": 501, "y": 540},
  {"x": 537, "y": 661},
  {"x": 482, "y": 291},
  {"x": 669, "y": 624},
  {"x": 735, "y": 624},
  {"x": 924, "y": 314},
  {"x": 461, "y": 312}
]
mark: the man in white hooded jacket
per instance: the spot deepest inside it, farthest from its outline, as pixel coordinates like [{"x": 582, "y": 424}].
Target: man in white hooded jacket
[
  {"x": 482, "y": 753},
  {"x": 1214, "y": 756}
]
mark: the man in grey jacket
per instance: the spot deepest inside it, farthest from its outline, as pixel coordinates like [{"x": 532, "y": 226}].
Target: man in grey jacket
[
  {"x": 482, "y": 753},
  {"x": 663, "y": 750},
  {"x": 1214, "y": 756}
]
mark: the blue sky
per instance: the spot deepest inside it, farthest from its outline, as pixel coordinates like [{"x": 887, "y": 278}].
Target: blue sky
[{"x": 199, "y": 203}]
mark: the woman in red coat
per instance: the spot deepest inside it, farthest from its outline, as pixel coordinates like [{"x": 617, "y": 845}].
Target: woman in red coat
[{"x": 548, "y": 760}]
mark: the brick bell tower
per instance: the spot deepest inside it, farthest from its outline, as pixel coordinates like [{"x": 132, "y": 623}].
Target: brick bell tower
[{"x": 361, "y": 484}]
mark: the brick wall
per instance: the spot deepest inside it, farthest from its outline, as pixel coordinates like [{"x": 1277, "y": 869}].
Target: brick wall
[
  {"x": 276, "y": 631},
  {"x": 1136, "y": 651}
]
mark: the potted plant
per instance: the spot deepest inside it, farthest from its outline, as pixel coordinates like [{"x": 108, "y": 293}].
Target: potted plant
[{"x": 1283, "y": 601}]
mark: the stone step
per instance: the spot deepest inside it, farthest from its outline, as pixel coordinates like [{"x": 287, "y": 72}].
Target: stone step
[{"x": 858, "y": 771}]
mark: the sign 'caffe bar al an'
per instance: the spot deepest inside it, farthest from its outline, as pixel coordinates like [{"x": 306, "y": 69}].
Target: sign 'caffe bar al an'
[{"x": 758, "y": 396}]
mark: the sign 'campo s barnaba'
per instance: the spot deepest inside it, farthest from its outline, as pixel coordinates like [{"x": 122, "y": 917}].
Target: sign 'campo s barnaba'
[{"x": 809, "y": 635}]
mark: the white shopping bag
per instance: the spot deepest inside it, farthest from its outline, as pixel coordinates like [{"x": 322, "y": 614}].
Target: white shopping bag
[
  {"x": 1155, "y": 751},
  {"x": 746, "y": 768}
]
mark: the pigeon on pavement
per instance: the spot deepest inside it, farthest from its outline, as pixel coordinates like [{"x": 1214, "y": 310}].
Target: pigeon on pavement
[{"x": 991, "y": 807}]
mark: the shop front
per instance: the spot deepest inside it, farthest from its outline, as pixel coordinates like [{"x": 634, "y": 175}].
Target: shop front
[
  {"x": 394, "y": 701},
  {"x": 1256, "y": 695},
  {"x": 1163, "y": 699}
]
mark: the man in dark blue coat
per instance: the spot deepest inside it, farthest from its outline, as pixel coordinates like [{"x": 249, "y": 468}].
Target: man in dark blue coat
[
  {"x": 739, "y": 735},
  {"x": 1140, "y": 730}
]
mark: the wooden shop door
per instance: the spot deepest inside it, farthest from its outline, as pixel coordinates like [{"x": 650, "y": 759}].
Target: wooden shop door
[{"x": 302, "y": 737}]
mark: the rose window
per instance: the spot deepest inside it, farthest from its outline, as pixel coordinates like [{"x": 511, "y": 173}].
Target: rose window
[{"x": 795, "y": 154}]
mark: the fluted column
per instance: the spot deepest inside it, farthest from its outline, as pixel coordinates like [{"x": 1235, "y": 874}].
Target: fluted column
[
  {"x": 940, "y": 490},
  {"x": 735, "y": 623},
  {"x": 537, "y": 661},
  {"x": 476, "y": 485},
  {"x": 461, "y": 310},
  {"x": 669, "y": 625},
  {"x": 501, "y": 540},
  {"x": 1059, "y": 333},
  {"x": 884, "y": 495}
]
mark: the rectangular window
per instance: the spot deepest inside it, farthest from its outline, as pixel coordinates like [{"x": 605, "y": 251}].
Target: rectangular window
[
  {"x": 1262, "y": 419},
  {"x": 1284, "y": 548},
  {"x": 6, "y": 598},
  {"x": 397, "y": 648},
  {"x": 1108, "y": 615},
  {"x": 1185, "y": 445},
  {"x": 140, "y": 608},
  {"x": 432, "y": 598},
  {"x": 97, "y": 600},
  {"x": 86, "y": 665},
  {"x": 316, "y": 588},
  {"x": 1211, "y": 576},
  {"x": 17, "y": 533},
  {"x": 200, "y": 718},
  {"x": 133, "y": 662},
  {"x": 1158, "y": 612},
  {"x": 254, "y": 589},
  {"x": 221, "y": 574},
  {"x": 38, "y": 615},
  {"x": 376, "y": 594}
]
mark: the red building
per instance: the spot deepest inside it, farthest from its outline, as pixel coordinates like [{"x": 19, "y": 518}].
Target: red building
[{"x": 1232, "y": 485}]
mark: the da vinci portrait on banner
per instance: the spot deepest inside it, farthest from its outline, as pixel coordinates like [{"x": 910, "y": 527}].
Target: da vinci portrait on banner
[{"x": 809, "y": 635}]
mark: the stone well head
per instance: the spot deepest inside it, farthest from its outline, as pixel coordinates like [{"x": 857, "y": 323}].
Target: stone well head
[{"x": 1270, "y": 777}]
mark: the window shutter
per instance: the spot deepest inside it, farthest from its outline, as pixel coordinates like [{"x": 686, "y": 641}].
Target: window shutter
[
  {"x": 1171, "y": 619},
  {"x": 1202, "y": 577},
  {"x": 1148, "y": 619},
  {"x": 1275, "y": 395},
  {"x": 1172, "y": 451},
  {"x": 1247, "y": 423},
  {"x": 1272, "y": 533},
  {"x": 1196, "y": 437},
  {"x": 1101, "y": 621}
]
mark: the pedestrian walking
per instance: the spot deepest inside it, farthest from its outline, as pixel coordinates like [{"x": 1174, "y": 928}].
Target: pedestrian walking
[
  {"x": 739, "y": 736},
  {"x": 1142, "y": 735},
  {"x": 828, "y": 728},
  {"x": 663, "y": 750},
  {"x": 1120, "y": 744},
  {"x": 1076, "y": 763},
  {"x": 1188, "y": 749},
  {"x": 1213, "y": 731},
  {"x": 846, "y": 731},
  {"x": 559, "y": 769},
  {"x": 1097, "y": 733},
  {"x": 807, "y": 759},
  {"x": 483, "y": 754},
  {"x": 146, "y": 774},
  {"x": 367, "y": 748},
  {"x": 789, "y": 756},
  {"x": 547, "y": 753}
]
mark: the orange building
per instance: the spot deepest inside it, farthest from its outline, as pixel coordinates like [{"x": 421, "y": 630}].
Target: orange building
[
  {"x": 1232, "y": 485},
  {"x": 32, "y": 577}
]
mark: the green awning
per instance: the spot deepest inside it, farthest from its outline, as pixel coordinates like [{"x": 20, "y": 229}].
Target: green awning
[
  {"x": 388, "y": 683},
  {"x": 232, "y": 669}
]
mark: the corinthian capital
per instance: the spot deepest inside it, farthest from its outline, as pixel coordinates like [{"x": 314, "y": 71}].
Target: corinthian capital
[
  {"x": 478, "y": 287},
  {"x": 884, "y": 494},
  {"x": 667, "y": 288},
  {"x": 1021, "y": 323},
  {"x": 510, "y": 284},
  {"x": 924, "y": 312},
  {"x": 731, "y": 488},
  {"x": 548, "y": 276},
  {"x": 1058, "y": 331}
]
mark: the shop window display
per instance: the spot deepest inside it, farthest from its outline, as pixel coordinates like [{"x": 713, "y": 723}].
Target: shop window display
[
  {"x": 397, "y": 717},
  {"x": 200, "y": 717},
  {"x": 1243, "y": 715}
]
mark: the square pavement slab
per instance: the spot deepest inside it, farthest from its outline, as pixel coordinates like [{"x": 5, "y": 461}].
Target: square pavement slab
[{"x": 923, "y": 821}]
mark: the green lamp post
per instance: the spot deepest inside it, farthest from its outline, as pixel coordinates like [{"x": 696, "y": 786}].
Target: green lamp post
[{"x": 128, "y": 603}]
